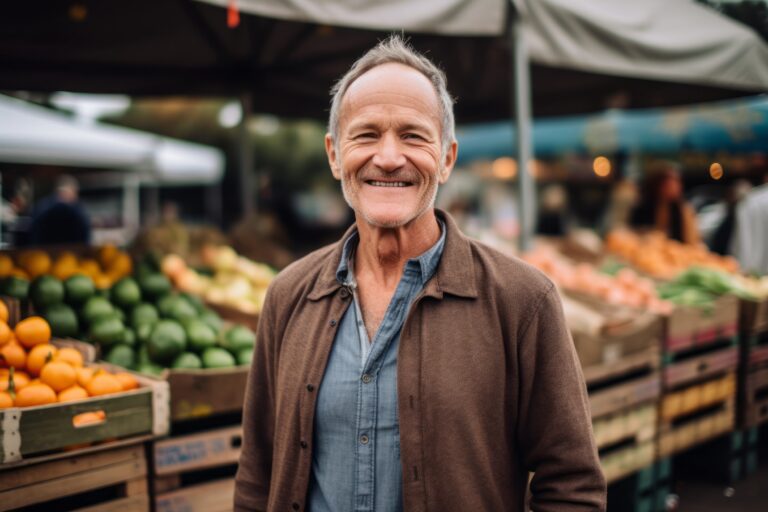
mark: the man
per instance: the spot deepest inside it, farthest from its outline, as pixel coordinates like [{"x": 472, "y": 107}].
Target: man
[
  {"x": 60, "y": 218},
  {"x": 407, "y": 367}
]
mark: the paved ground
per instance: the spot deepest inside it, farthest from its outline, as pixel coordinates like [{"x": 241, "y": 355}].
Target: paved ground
[{"x": 750, "y": 495}]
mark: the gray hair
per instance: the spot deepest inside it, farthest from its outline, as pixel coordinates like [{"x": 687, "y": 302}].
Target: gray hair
[{"x": 395, "y": 50}]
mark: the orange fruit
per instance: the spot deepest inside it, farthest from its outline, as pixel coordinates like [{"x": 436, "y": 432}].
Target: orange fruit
[
  {"x": 6, "y": 265},
  {"x": 90, "y": 267},
  {"x": 39, "y": 356},
  {"x": 84, "y": 375},
  {"x": 33, "y": 331},
  {"x": 5, "y": 332},
  {"x": 107, "y": 254},
  {"x": 65, "y": 266},
  {"x": 120, "y": 266},
  {"x": 13, "y": 354},
  {"x": 102, "y": 281},
  {"x": 35, "y": 262},
  {"x": 69, "y": 355},
  {"x": 73, "y": 393},
  {"x": 4, "y": 311},
  {"x": 18, "y": 272},
  {"x": 35, "y": 394},
  {"x": 20, "y": 380},
  {"x": 88, "y": 418},
  {"x": 5, "y": 400},
  {"x": 127, "y": 381},
  {"x": 59, "y": 375},
  {"x": 103, "y": 383}
]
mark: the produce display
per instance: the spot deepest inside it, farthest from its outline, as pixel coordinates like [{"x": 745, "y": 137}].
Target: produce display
[
  {"x": 108, "y": 265},
  {"x": 35, "y": 372},
  {"x": 660, "y": 257},
  {"x": 699, "y": 287},
  {"x": 234, "y": 280},
  {"x": 626, "y": 288}
]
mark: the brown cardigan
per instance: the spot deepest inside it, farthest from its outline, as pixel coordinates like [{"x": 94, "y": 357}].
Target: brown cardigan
[{"x": 489, "y": 388}]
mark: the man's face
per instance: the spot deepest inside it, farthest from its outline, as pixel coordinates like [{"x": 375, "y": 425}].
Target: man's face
[{"x": 389, "y": 157}]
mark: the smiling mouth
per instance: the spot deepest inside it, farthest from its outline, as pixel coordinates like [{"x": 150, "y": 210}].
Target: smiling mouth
[{"x": 391, "y": 184}]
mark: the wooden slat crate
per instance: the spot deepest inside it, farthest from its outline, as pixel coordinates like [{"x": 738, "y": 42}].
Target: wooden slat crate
[
  {"x": 625, "y": 394},
  {"x": 198, "y": 393},
  {"x": 119, "y": 474},
  {"x": 33, "y": 431},
  {"x": 754, "y": 399},
  {"x": 701, "y": 366},
  {"x": 688, "y": 327},
  {"x": 16, "y": 309},
  {"x": 234, "y": 315},
  {"x": 626, "y": 440},
  {"x": 206, "y": 456},
  {"x": 753, "y": 317},
  {"x": 697, "y": 413},
  {"x": 755, "y": 350},
  {"x": 215, "y": 496}
]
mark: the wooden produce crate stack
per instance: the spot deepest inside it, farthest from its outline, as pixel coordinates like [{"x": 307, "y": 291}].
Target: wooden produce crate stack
[
  {"x": 52, "y": 460},
  {"x": 621, "y": 369},
  {"x": 700, "y": 359},
  {"x": 193, "y": 470},
  {"x": 753, "y": 382}
]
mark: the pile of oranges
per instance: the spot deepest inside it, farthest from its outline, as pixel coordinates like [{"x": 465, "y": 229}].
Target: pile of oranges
[
  {"x": 35, "y": 372},
  {"x": 109, "y": 265}
]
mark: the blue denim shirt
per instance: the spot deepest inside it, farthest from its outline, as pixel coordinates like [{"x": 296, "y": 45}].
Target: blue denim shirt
[{"x": 356, "y": 455}]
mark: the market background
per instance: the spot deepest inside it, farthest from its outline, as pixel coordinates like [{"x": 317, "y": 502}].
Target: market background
[{"x": 195, "y": 131}]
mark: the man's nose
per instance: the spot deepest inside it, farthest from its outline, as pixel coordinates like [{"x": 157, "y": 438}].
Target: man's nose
[{"x": 389, "y": 155}]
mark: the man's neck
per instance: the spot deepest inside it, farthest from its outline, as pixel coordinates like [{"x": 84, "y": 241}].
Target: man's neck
[{"x": 382, "y": 252}]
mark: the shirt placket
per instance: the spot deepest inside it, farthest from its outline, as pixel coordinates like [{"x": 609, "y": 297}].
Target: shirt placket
[{"x": 368, "y": 390}]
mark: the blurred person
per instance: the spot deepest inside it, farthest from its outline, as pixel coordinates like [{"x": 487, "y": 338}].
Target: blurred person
[
  {"x": 750, "y": 241},
  {"x": 60, "y": 218},
  {"x": 664, "y": 208},
  {"x": 723, "y": 234},
  {"x": 553, "y": 211},
  {"x": 408, "y": 367},
  {"x": 623, "y": 200}
]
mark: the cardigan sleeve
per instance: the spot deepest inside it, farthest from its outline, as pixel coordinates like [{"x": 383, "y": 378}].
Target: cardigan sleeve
[
  {"x": 252, "y": 481},
  {"x": 555, "y": 428}
]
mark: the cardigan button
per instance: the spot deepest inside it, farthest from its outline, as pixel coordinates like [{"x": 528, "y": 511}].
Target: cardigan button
[
  {"x": 303, "y": 444},
  {"x": 333, "y": 323},
  {"x": 344, "y": 293},
  {"x": 295, "y": 506},
  {"x": 310, "y": 387}
]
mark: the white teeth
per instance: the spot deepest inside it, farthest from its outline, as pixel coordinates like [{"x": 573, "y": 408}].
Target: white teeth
[{"x": 388, "y": 183}]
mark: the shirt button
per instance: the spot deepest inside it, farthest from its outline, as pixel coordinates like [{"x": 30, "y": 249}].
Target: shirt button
[
  {"x": 303, "y": 444},
  {"x": 367, "y": 378},
  {"x": 295, "y": 506},
  {"x": 310, "y": 387},
  {"x": 364, "y": 439}
]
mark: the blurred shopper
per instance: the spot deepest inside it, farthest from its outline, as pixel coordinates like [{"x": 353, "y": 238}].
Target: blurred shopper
[
  {"x": 723, "y": 234},
  {"x": 664, "y": 208},
  {"x": 553, "y": 211},
  {"x": 60, "y": 218},
  {"x": 407, "y": 367},
  {"x": 624, "y": 199},
  {"x": 750, "y": 243}
]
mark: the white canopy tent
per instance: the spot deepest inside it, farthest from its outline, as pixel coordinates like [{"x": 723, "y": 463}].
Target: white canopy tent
[
  {"x": 668, "y": 40},
  {"x": 32, "y": 134}
]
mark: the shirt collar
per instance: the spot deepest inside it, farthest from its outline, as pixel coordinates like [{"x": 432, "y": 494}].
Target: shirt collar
[{"x": 425, "y": 264}]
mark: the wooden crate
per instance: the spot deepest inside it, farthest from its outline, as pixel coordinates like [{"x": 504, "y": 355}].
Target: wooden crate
[
  {"x": 688, "y": 327},
  {"x": 215, "y": 496},
  {"x": 754, "y": 350},
  {"x": 696, "y": 413},
  {"x": 604, "y": 352},
  {"x": 234, "y": 315},
  {"x": 33, "y": 431},
  {"x": 16, "y": 309},
  {"x": 111, "y": 479},
  {"x": 680, "y": 371},
  {"x": 753, "y": 317},
  {"x": 198, "y": 393},
  {"x": 200, "y": 455},
  {"x": 626, "y": 440},
  {"x": 754, "y": 398}
]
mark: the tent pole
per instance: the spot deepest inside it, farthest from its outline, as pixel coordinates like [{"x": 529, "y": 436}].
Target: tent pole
[
  {"x": 246, "y": 167},
  {"x": 521, "y": 99}
]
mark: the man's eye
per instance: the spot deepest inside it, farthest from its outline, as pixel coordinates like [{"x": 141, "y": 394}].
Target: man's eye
[
  {"x": 413, "y": 136},
  {"x": 366, "y": 135}
]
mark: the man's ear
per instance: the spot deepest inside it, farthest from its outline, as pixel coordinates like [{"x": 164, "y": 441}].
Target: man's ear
[
  {"x": 333, "y": 162},
  {"x": 449, "y": 160}
]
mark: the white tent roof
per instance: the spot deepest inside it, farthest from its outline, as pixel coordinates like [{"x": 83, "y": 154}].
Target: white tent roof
[
  {"x": 36, "y": 135},
  {"x": 670, "y": 40}
]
